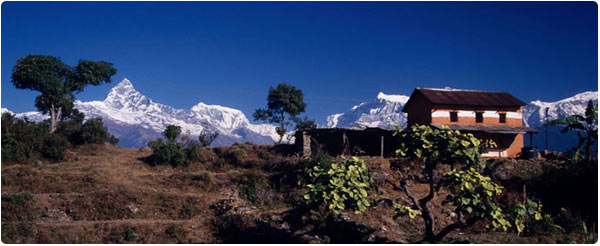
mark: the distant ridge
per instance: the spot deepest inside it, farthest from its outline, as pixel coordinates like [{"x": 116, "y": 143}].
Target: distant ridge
[{"x": 135, "y": 119}]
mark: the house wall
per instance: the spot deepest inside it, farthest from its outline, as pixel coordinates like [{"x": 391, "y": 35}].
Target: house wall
[
  {"x": 467, "y": 116},
  {"x": 419, "y": 112},
  {"x": 422, "y": 112}
]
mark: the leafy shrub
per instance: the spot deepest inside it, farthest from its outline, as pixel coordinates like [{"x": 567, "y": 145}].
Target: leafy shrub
[
  {"x": 54, "y": 147},
  {"x": 21, "y": 139},
  {"x": 113, "y": 140},
  {"x": 171, "y": 153},
  {"x": 194, "y": 152},
  {"x": 93, "y": 131},
  {"x": 339, "y": 185},
  {"x": 172, "y": 132},
  {"x": 473, "y": 194},
  {"x": 251, "y": 183}
]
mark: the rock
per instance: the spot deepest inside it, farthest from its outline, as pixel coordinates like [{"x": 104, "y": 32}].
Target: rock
[
  {"x": 57, "y": 215},
  {"x": 275, "y": 217},
  {"x": 77, "y": 158},
  {"x": 343, "y": 217},
  {"x": 39, "y": 163},
  {"x": 133, "y": 208},
  {"x": 284, "y": 226},
  {"x": 145, "y": 149},
  {"x": 385, "y": 201},
  {"x": 242, "y": 209},
  {"x": 380, "y": 178}
]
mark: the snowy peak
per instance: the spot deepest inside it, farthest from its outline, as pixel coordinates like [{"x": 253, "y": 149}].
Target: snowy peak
[
  {"x": 534, "y": 114},
  {"x": 225, "y": 117},
  {"x": 124, "y": 95},
  {"x": 383, "y": 112},
  {"x": 393, "y": 98}
]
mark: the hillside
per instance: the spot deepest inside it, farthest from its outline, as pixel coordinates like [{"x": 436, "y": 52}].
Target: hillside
[{"x": 238, "y": 194}]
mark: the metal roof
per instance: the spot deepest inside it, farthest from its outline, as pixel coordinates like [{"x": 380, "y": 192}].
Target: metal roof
[
  {"x": 473, "y": 98},
  {"x": 501, "y": 129}
]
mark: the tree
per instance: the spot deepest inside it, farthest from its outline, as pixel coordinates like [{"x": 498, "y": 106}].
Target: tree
[
  {"x": 172, "y": 132},
  {"x": 471, "y": 193},
  {"x": 57, "y": 82},
  {"x": 207, "y": 135},
  {"x": 285, "y": 100},
  {"x": 587, "y": 124}
]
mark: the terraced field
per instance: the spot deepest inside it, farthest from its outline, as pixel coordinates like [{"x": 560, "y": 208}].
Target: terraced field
[{"x": 237, "y": 194}]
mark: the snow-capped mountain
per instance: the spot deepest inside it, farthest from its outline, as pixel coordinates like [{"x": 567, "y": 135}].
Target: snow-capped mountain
[
  {"x": 383, "y": 112},
  {"x": 135, "y": 119},
  {"x": 386, "y": 111},
  {"x": 534, "y": 113}
]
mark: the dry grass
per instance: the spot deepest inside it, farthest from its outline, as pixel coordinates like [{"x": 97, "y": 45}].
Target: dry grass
[{"x": 106, "y": 194}]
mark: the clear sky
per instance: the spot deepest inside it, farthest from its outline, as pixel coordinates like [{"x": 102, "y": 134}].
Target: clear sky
[{"x": 338, "y": 53}]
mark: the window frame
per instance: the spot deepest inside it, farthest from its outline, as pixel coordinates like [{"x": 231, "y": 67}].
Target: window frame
[
  {"x": 455, "y": 118},
  {"x": 502, "y": 118},
  {"x": 478, "y": 117}
]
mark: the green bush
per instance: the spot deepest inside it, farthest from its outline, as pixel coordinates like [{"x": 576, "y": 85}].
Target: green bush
[
  {"x": 54, "y": 147},
  {"x": 93, "y": 131},
  {"x": 21, "y": 139},
  {"x": 194, "y": 152},
  {"x": 339, "y": 185},
  {"x": 169, "y": 153},
  {"x": 172, "y": 132}
]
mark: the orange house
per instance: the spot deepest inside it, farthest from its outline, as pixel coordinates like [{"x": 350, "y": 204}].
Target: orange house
[{"x": 488, "y": 115}]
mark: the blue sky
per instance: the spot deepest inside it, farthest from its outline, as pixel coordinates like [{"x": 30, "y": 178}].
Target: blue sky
[{"x": 338, "y": 53}]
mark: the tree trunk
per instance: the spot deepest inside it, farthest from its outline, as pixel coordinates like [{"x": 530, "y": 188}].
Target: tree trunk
[
  {"x": 426, "y": 213},
  {"x": 589, "y": 146},
  {"x": 54, "y": 116},
  {"x": 282, "y": 129}
]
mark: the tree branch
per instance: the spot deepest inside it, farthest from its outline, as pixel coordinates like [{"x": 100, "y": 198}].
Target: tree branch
[
  {"x": 455, "y": 226},
  {"x": 403, "y": 188}
]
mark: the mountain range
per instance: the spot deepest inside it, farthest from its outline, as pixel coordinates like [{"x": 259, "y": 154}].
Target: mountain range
[
  {"x": 386, "y": 111},
  {"x": 135, "y": 119}
]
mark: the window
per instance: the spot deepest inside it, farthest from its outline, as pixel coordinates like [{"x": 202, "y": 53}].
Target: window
[
  {"x": 479, "y": 117},
  {"x": 503, "y": 118},
  {"x": 453, "y": 116}
]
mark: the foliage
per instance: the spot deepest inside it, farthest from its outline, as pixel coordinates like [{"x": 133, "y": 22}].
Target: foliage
[
  {"x": 432, "y": 146},
  {"x": 58, "y": 82},
  {"x": 171, "y": 153},
  {"x": 587, "y": 123},
  {"x": 525, "y": 212},
  {"x": 21, "y": 139},
  {"x": 284, "y": 100},
  {"x": 24, "y": 141},
  {"x": 113, "y": 140},
  {"x": 340, "y": 185},
  {"x": 207, "y": 136},
  {"x": 473, "y": 194},
  {"x": 54, "y": 146},
  {"x": 406, "y": 210},
  {"x": 171, "y": 132},
  {"x": 93, "y": 131}
]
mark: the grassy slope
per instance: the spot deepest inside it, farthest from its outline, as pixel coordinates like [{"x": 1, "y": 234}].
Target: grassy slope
[{"x": 109, "y": 195}]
